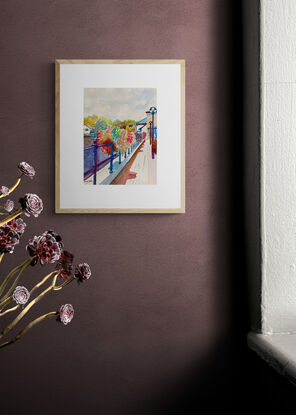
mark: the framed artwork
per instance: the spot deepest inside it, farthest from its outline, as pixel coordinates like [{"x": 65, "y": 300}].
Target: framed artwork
[{"x": 120, "y": 136}]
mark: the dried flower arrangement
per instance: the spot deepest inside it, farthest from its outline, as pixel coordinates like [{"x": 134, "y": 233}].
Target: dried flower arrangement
[{"x": 46, "y": 249}]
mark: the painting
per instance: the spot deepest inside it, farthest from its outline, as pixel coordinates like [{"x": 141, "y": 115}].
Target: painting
[{"x": 120, "y": 136}]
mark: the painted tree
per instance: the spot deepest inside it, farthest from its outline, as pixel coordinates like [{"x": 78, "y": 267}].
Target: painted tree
[
  {"x": 122, "y": 142},
  {"x": 130, "y": 125},
  {"x": 116, "y": 131},
  {"x": 130, "y": 138},
  {"x": 138, "y": 136},
  {"x": 105, "y": 137},
  {"x": 117, "y": 123},
  {"x": 91, "y": 120},
  {"x": 101, "y": 124}
]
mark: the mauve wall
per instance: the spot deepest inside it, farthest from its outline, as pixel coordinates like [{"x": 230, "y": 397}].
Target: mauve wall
[{"x": 150, "y": 323}]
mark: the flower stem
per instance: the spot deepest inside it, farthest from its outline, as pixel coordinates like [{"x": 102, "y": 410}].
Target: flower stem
[
  {"x": 59, "y": 287},
  {"x": 9, "y": 299},
  {"x": 10, "y": 275},
  {"x": 16, "y": 280},
  {"x": 28, "y": 327},
  {"x": 9, "y": 310},
  {"x": 41, "y": 282},
  {"x": 1, "y": 257},
  {"x": 14, "y": 215},
  {"x": 5, "y": 302},
  {"x": 27, "y": 308},
  {"x": 13, "y": 187}
]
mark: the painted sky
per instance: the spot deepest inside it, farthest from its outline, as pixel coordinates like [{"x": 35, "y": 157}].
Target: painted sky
[{"x": 119, "y": 103}]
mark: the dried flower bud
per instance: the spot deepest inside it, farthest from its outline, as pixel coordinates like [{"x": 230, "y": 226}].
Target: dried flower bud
[
  {"x": 17, "y": 225},
  {"x": 83, "y": 272},
  {"x": 32, "y": 204},
  {"x": 8, "y": 239},
  {"x": 4, "y": 190},
  {"x": 26, "y": 169},
  {"x": 9, "y": 205},
  {"x": 66, "y": 313},
  {"x": 21, "y": 295},
  {"x": 46, "y": 247},
  {"x": 64, "y": 264}
]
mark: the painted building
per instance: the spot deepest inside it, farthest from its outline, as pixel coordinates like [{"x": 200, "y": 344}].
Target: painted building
[
  {"x": 144, "y": 125},
  {"x": 87, "y": 130},
  {"x": 141, "y": 125}
]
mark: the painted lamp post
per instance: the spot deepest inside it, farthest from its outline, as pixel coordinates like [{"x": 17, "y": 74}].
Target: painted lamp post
[
  {"x": 153, "y": 111},
  {"x": 149, "y": 129}
]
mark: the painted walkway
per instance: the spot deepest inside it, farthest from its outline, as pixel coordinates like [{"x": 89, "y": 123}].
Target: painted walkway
[
  {"x": 103, "y": 175},
  {"x": 141, "y": 170}
]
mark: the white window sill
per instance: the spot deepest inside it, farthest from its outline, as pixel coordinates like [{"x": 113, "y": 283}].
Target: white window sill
[
  {"x": 278, "y": 350},
  {"x": 270, "y": 191}
]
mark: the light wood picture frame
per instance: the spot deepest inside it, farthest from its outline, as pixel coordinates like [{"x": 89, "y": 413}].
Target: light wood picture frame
[{"x": 120, "y": 136}]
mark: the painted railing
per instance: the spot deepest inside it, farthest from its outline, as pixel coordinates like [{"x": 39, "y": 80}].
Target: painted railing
[
  {"x": 95, "y": 159},
  {"x": 92, "y": 162}
]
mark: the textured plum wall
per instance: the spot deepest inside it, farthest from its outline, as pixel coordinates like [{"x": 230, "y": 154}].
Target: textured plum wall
[{"x": 151, "y": 325}]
